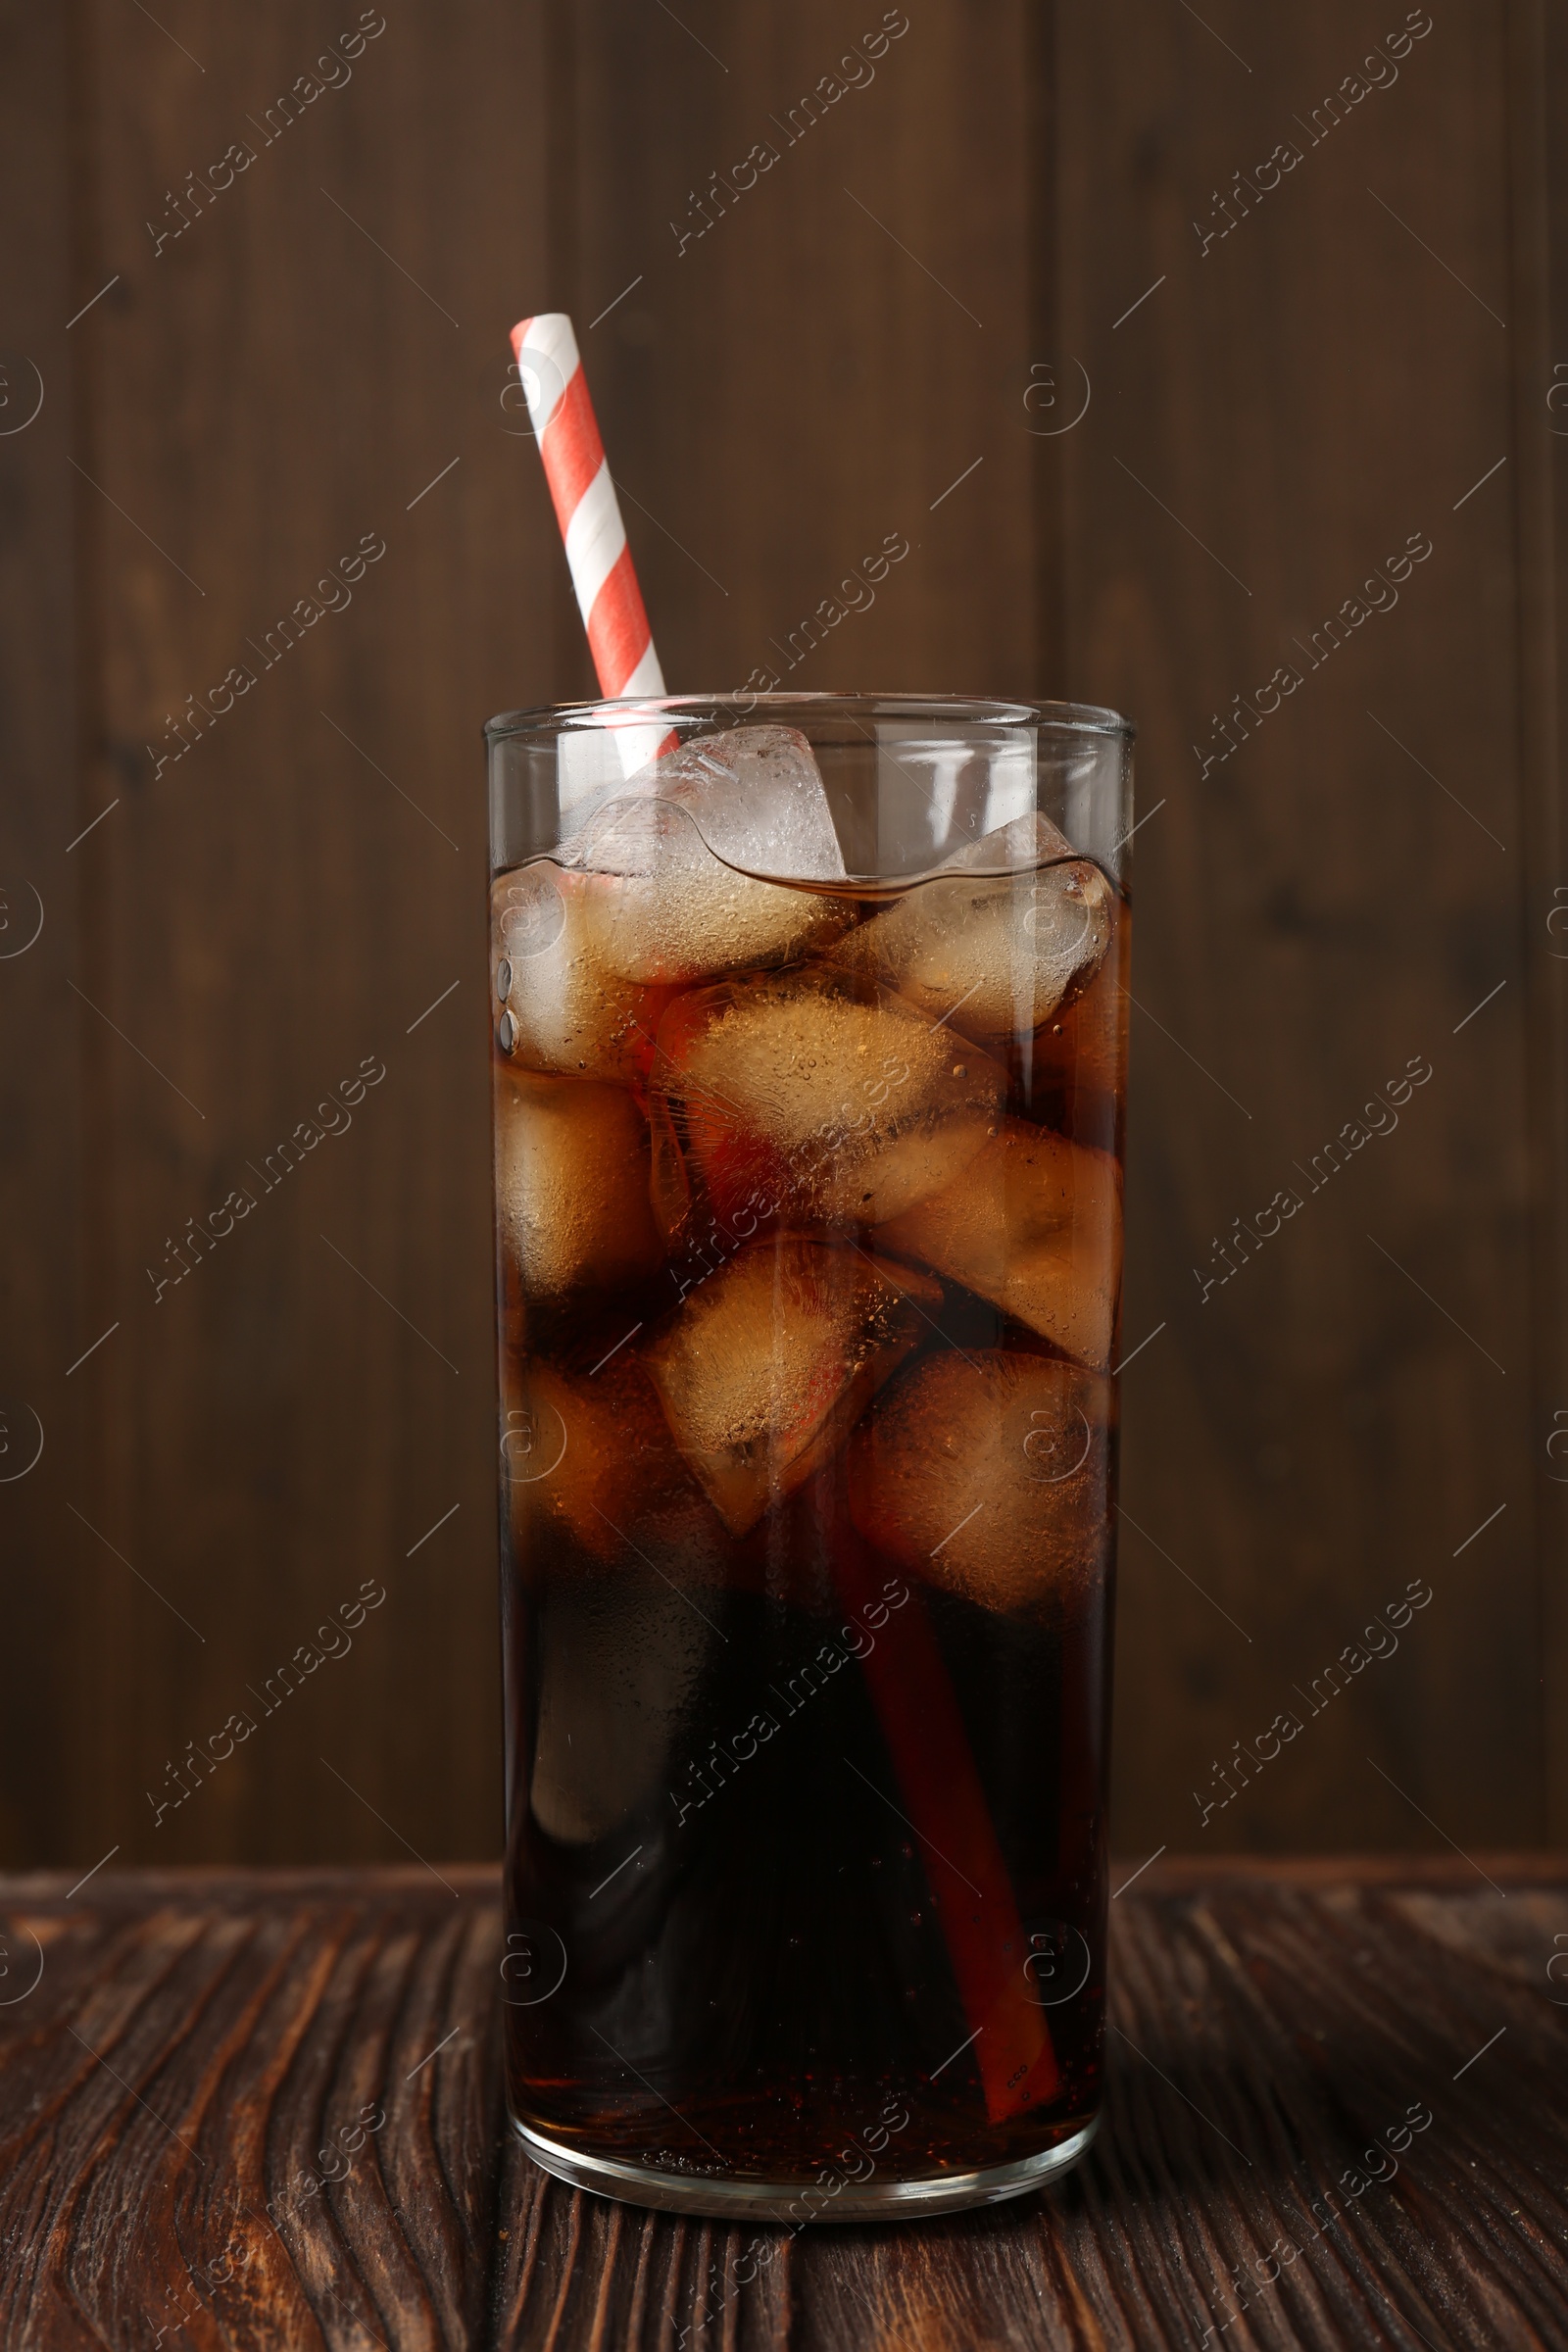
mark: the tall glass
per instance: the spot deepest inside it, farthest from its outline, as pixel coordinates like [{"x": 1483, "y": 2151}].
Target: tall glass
[{"x": 808, "y": 1047}]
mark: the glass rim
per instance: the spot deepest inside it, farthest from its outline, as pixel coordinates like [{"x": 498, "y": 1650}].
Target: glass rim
[{"x": 1073, "y": 718}]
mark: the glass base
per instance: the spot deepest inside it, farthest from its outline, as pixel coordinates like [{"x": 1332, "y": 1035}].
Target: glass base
[{"x": 779, "y": 2200}]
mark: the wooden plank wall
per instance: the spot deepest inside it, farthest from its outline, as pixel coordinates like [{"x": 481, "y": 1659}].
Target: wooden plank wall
[{"x": 1146, "y": 428}]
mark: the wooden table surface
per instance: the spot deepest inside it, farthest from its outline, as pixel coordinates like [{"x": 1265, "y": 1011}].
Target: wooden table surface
[{"x": 179, "y": 2050}]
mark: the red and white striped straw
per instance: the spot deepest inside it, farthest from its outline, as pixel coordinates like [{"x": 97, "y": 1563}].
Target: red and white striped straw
[{"x": 586, "y": 506}]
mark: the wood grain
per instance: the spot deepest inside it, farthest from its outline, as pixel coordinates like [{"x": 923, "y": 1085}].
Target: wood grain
[
  {"x": 293, "y": 894},
  {"x": 1313, "y": 911},
  {"x": 1539, "y": 299},
  {"x": 821, "y": 363},
  {"x": 46, "y": 1299},
  {"x": 919, "y": 282},
  {"x": 211, "y": 2049},
  {"x": 196, "y": 2039}
]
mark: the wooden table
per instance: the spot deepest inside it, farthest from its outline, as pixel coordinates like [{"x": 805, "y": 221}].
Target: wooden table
[{"x": 177, "y": 2049}]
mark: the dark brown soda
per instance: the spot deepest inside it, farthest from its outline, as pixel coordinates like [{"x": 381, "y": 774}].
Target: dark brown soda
[{"x": 749, "y": 1973}]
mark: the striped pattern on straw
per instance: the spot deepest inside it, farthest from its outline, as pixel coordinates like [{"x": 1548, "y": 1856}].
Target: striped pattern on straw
[{"x": 586, "y": 506}]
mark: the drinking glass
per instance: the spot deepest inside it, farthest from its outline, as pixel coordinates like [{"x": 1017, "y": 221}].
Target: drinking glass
[{"x": 808, "y": 1044}]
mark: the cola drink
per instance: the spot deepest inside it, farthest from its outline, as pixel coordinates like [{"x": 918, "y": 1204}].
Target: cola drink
[{"x": 808, "y": 1047}]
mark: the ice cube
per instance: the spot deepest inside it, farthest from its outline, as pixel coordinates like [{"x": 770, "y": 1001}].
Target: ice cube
[
  {"x": 1033, "y": 1223},
  {"x": 985, "y": 1473},
  {"x": 572, "y": 1183},
  {"x": 592, "y": 1457},
  {"x": 1081, "y": 1053},
  {"x": 997, "y": 939},
  {"x": 685, "y": 915},
  {"x": 1022, "y": 843},
  {"x": 666, "y": 903},
  {"x": 619, "y": 1661},
  {"x": 755, "y": 794},
  {"x": 813, "y": 1096},
  {"x": 770, "y": 1361},
  {"x": 561, "y": 1008}
]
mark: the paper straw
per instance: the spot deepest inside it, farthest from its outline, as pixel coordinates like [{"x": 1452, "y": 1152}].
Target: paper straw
[
  {"x": 909, "y": 1688},
  {"x": 1009, "y": 2047},
  {"x": 586, "y": 506}
]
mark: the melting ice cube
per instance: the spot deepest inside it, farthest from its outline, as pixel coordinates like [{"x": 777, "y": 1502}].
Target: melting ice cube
[
  {"x": 572, "y": 1183},
  {"x": 561, "y": 1007},
  {"x": 1033, "y": 1223},
  {"x": 591, "y": 1456},
  {"x": 771, "y": 1360},
  {"x": 813, "y": 1095},
  {"x": 667, "y": 903},
  {"x": 997, "y": 939},
  {"x": 985, "y": 1473},
  {"x": 619, "y": 1661}
]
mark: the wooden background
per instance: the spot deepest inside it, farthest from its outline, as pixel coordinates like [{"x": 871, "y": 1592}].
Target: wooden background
[{"x": 921, "y": 288}]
